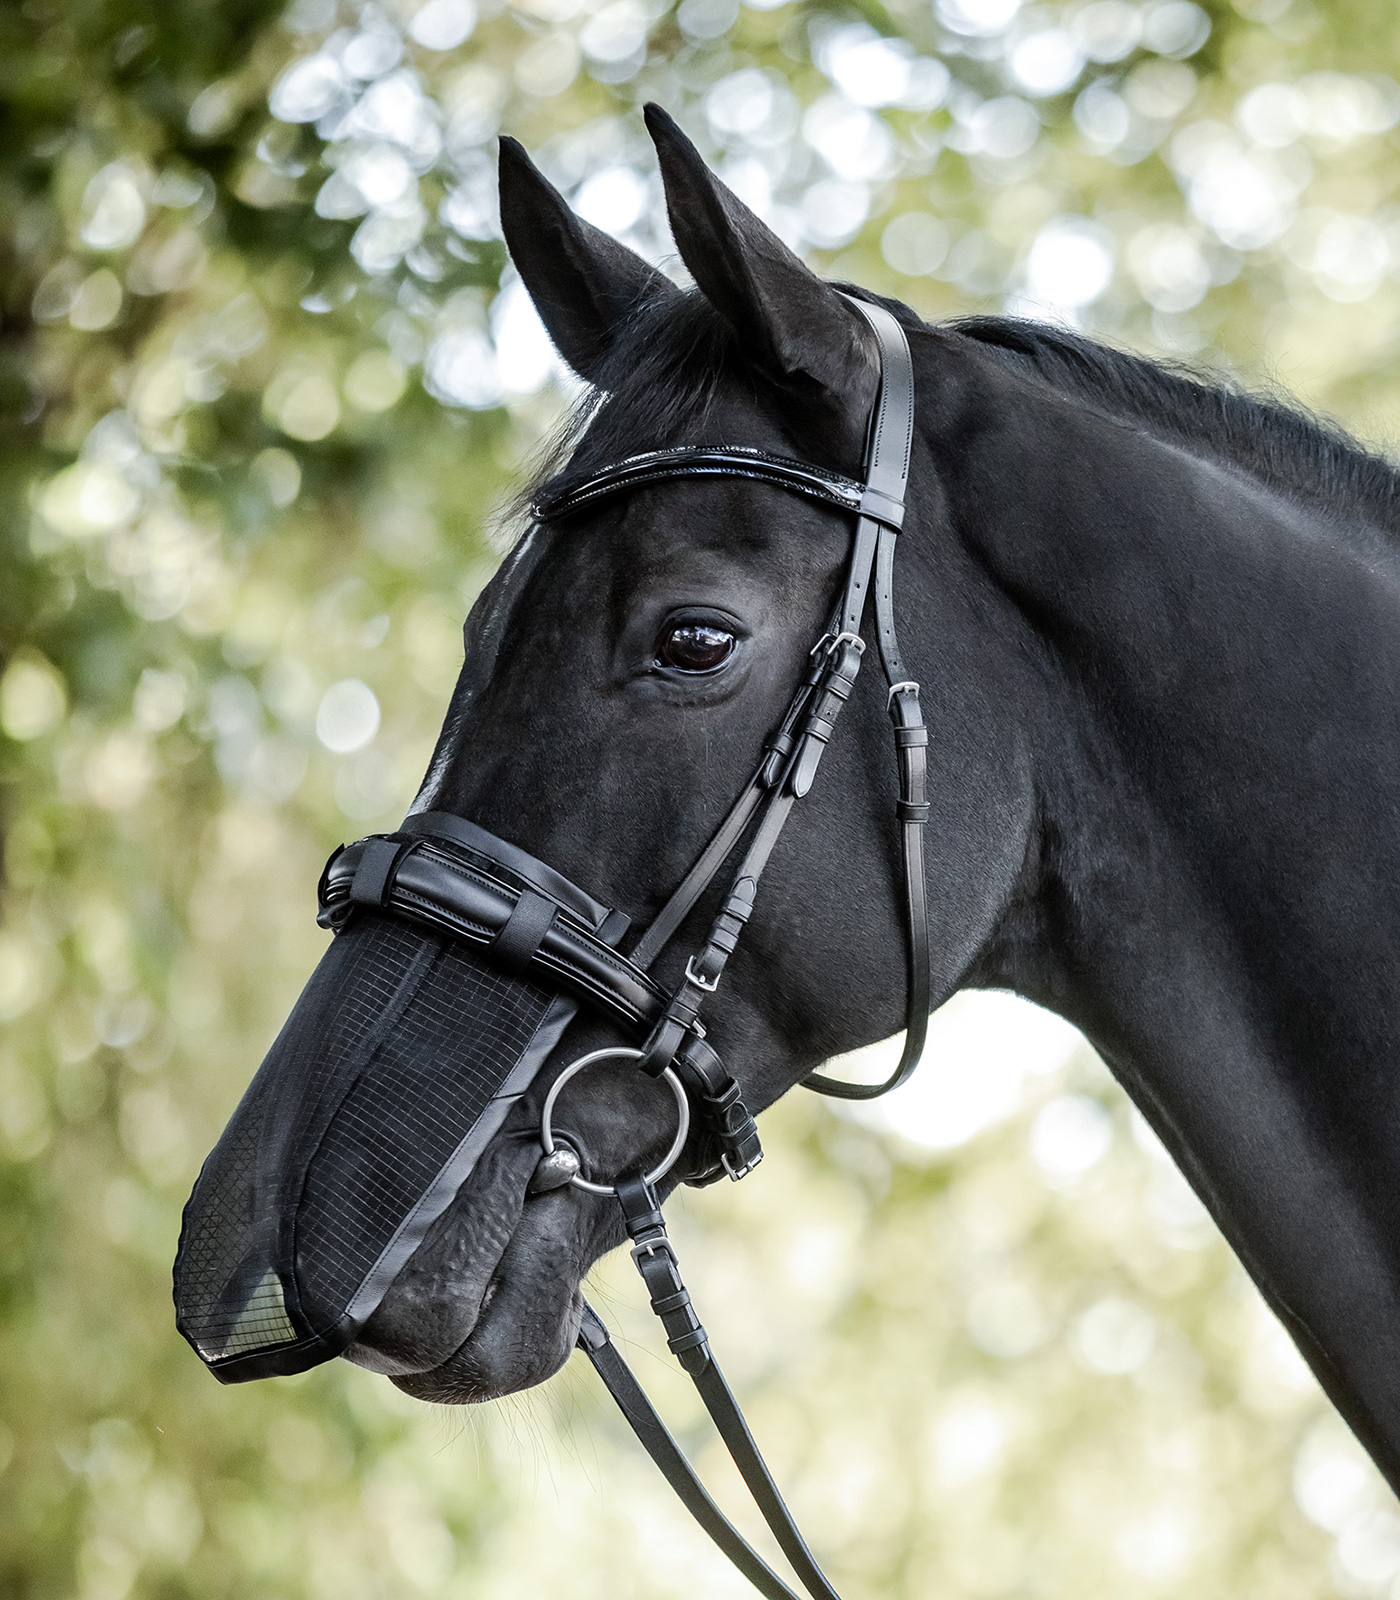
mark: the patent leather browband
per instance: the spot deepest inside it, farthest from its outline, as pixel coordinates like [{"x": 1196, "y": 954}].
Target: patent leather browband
[{"x": 722, "y": 461}]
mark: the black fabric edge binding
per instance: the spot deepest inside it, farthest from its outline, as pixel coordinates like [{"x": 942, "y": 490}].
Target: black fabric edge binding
[{"x": 435, "y": 1201}]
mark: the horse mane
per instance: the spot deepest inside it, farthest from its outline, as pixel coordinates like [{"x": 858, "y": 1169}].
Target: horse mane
[
  {"x": 1309, "y": 458},
  {"x": 674, "y": 355}
]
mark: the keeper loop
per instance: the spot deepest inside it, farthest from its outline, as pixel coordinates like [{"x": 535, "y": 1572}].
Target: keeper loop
[
  {"x": 374, "y": 876},
  {"x": 518, "y": 942}
]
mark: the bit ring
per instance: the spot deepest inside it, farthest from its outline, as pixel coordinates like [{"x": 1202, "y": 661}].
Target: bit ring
[{"x": 617, "y": 1053}]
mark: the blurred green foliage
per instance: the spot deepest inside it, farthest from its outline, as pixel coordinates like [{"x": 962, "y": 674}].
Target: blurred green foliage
[{"x": 265, "y": 378}]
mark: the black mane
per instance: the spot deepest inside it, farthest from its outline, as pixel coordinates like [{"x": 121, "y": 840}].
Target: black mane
[{"x": 1307, "y": 457}]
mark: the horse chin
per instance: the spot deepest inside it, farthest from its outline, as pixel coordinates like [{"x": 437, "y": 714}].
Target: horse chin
[
  {"x": 527, "y": 1325},
  {"x": 490, "y": 1301}
]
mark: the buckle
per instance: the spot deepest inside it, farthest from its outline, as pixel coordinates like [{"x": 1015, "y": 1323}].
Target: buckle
[
  {"x": 660, "y": 1245},
  {"x": 737, "y": 1172},
  {"x": 901, "y": 688},
  {"x": 832, "y": 642},
  {"x": 709, "y": 985}
]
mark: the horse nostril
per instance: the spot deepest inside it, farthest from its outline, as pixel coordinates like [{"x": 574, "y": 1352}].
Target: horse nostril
[{"x": 554, "y": 1169}]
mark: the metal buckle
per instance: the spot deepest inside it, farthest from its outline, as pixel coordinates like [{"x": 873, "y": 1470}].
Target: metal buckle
[
  {"x": 658, "y": 1246},
  {"x": 899, "y": 688},
  {"x": 832, "y": 642},
  {"x": 709, "y": 985},
  {"x": 736, "y": 1173}
]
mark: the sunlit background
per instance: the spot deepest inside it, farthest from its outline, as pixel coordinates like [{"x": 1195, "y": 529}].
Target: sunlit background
[{"x": 265, "y": 374}]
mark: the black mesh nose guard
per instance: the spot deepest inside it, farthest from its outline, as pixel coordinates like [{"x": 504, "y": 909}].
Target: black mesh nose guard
[{"x": 398, "y": 1064}]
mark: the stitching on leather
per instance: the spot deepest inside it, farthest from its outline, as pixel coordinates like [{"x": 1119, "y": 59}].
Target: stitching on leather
[
  {"x": 816, "y": 491},
  {"x": 464, "y": 869},
  {"x": 604, "y": 954}
]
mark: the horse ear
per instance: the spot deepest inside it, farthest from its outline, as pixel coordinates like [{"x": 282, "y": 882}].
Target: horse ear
[
  {"x": 795, "y": 328},
  {"x": 583, "y": 282}
]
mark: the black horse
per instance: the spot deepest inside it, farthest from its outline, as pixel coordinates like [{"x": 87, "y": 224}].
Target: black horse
[{"x": 1158, "y": 628}]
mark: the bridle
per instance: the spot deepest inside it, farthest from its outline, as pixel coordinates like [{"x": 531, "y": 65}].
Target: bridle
[{"x": 512, "y": 906}]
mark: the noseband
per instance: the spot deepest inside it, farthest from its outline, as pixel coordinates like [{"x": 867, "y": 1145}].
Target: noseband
[{"x": 448, "y": 874}]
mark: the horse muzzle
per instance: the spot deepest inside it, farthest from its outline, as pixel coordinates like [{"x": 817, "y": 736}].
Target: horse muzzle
[{"x": 424, "y": 1024}]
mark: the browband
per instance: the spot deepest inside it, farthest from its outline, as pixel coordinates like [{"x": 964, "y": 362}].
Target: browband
[{"x": 721, "y": 461}]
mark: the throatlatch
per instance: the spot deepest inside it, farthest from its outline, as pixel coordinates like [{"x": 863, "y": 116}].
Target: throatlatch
[{"x": 464, "y": 959}]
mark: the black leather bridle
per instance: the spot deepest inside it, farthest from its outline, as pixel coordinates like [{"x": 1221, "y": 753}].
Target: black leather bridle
[{"x": 537, "y": 925}]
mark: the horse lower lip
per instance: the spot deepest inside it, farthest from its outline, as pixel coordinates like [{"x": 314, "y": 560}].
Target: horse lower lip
[
  {"x": 438, "y": 1301},
  {"x": 534, "y": 1286}
]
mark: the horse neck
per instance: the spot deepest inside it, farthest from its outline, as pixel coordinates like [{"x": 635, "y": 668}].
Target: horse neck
[
  {"x": 1216, "y": 747},
  {"x": 1223, "y": 750}
]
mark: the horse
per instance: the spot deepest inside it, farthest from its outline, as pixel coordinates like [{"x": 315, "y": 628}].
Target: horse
[{"x": 1156, "y": 621}]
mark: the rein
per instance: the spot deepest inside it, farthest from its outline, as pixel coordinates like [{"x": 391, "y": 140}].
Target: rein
[{"x": 453, "y": 877}]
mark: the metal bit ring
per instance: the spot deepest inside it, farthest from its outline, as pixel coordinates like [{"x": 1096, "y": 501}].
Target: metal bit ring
[{"x": 617, "y": 1053}]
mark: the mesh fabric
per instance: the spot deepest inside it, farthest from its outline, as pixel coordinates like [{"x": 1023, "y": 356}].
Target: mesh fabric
[{"x": 397, "y": 1064}]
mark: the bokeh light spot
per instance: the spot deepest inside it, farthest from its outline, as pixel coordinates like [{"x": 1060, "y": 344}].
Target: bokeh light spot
[
  {"x": 374, "y": 381},
  {"x": 347, "y": 717},
  {"x": 443, "y": 24},
  {"x": 33, "y": 697},
  {"x": 98, "y": 302},
  {"x": 1070, "y": 1135},
  {"x": 114, "y": 210},
  {"x": 1113, "y": 1337}
]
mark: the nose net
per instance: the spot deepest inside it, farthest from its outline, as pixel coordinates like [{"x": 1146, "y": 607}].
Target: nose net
[{"x": 398, "y": 1063}]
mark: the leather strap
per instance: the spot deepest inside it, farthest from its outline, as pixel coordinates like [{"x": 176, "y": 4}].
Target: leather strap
[
  {"x": 912, "y": 811},
  {"x": 641, "y": 1416},
  {"x": 891, "y": 443},
  {"x": 656, "y": 1260},
  {"x": 659, "y": 932},
  {"x": 776, "y": 754}
]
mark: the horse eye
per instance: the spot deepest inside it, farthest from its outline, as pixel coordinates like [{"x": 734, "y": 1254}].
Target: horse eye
[{"x": 694, "y": 647}]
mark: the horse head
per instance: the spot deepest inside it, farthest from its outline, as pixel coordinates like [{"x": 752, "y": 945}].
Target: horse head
[{"x": 622, "y": 672}]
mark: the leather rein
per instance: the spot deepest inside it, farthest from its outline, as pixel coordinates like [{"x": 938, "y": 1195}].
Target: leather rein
[{"x": 675, "y": 1041}]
